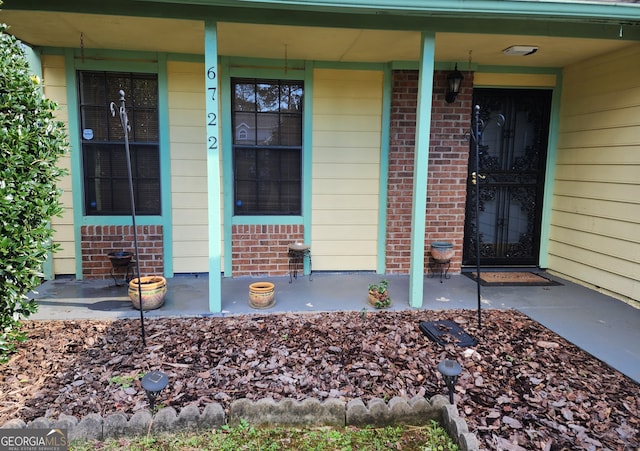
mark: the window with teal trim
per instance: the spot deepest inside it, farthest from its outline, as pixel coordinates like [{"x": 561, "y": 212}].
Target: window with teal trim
[
  {"x": 267, "y": 146},
  {"x": 106, "y": 183}
]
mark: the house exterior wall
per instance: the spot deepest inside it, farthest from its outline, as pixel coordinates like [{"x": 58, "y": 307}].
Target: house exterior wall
[
  {"x": 98, "y": 241},
  {"x": 345, "y": 186},
  {"x": 504, "y": 80},
  {"x": 347, "y": 115},
  {"x": 85, "y": 242},
  {"x": 262, "y": 250},
  {"x": 55, "y": 88},
  {"x": 187, "y": 132},
  {"x": 595, "y": 223},
  {"x": 448, "y": 162}
]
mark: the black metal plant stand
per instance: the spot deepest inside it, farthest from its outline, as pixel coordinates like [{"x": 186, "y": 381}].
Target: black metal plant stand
[
  {"x": 297, "y": 253},
  {"x": 122, "y": 262},
  {"x": 440, "y": 267}
]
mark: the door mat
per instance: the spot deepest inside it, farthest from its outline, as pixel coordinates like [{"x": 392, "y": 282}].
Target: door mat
[
  {"x": 445, "y": 332},
  {"x": 511, "y": 278}
]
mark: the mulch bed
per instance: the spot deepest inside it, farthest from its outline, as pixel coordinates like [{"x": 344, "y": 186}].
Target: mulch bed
[{"x": 521, "y": 387}]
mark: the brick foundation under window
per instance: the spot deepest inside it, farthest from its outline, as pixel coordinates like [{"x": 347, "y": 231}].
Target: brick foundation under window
[
  {"x": 448, "y": 161},
  {"x": 98, "y": 241},
  {"x": 261, "y": 250}
]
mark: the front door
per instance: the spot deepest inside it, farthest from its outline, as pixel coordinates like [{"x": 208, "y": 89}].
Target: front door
[{"x": 512, "y": 156}]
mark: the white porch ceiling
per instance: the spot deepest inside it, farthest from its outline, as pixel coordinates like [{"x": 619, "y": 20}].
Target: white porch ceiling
[{"x": 269, "y": 41}]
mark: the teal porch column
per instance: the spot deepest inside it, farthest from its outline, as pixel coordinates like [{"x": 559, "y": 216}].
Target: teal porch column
[
  {"x": 213, "y": 163},
  {"x": 423, "y": 129}
]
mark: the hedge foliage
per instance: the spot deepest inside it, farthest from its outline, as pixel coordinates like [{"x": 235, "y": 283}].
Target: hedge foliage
[{"x": 31, "y": 143}]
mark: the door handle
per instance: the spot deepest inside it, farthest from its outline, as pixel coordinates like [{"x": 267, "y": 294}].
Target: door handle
[{"x": 475, "y": 176}]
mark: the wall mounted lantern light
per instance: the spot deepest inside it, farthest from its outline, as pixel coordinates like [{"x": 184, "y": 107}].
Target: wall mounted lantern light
[
  {"x": 454, "y": 79},
  {"x": 153, "y": 383},
  {"x": 450, "y": 369}
]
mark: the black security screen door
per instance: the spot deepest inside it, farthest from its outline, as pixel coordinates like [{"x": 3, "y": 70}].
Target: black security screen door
[{"x": 512, "y": 156}]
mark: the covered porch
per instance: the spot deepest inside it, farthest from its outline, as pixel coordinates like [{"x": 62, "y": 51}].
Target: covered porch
[{"x": 405, "y": 192}]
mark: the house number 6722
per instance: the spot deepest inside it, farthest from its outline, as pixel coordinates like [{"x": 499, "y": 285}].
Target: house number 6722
[{"x": 212, "y": 122}]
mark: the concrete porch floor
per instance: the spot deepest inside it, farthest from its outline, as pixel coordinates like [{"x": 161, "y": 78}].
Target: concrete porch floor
[{"x": 606, "y": 328}]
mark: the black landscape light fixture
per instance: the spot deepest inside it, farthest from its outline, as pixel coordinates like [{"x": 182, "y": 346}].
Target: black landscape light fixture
[
  {"x": 450, "y": 369},
  {"x": 454, "y": 79},
  {"x": 153, "y": 383}
]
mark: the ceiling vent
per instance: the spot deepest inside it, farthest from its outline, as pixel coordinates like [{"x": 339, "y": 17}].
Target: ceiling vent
[{"x": 520, "y": 50}]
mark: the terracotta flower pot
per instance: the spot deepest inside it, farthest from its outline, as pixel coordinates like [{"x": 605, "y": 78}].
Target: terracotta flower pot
[
  {"x": 379, "y": 294},
  {"x": 379, "y": 301},
  {"x": 262, "y": 295},
  {"x": 153, "y": 288},
  {"x": 442, "y": 251}
]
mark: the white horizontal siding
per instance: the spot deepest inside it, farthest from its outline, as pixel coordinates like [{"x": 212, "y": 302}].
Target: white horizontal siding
[
  {"x": 55, "y": 88},
  {"x": 188, "y": 167},
  {"x": 346, "y": 164},
  {"x": 595, "y": 223}
]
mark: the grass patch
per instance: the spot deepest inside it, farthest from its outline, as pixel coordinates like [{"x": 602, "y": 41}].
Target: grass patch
[
  {"x": 249, "y": 438},
  {"x": 125, "y": 381}
]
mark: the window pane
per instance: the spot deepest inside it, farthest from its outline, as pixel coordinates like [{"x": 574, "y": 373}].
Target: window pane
[
  {"x": 145, "y": 126},
  {"x": 115, "y": 132},
  {"x": 245, "y": 164},
  {"x": 92, "y": 88},
  {"x": 267, "y": 97},
  {"x": 146, "y": 196},
  {"x": 268, "y": 130},
  {"x": 116, "y": 83},
  {"x": 246, "y": 203},
  {"x": 291, "y": 130},
  {"x": 291, "y": 98},
  {"x": 94, "y": 123},
  {"x": 290, "y": 196},
  {"x": 290, "y": 165},
  {"x": 121, "y": 204},
  {"x": 145, "y": 92},
  {"x": 268, "y": 196},
  {"x": 245, "y": 129},
  {"x": 245, "y": 97},
  {"x": 146, "y": 161}
]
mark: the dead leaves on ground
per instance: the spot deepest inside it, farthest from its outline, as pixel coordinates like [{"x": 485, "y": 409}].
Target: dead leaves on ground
[{"x": 522, "y": 387}]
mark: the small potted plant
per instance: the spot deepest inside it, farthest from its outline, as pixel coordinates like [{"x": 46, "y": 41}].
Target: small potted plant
[{"x": 379, "y": 294}]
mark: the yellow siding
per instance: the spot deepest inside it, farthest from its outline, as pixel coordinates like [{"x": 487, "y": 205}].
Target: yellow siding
[
  {"x": 529, "y": 80},
  {"x": 188, "y": 167},
  {"x": 55, "y": 88},
  {"x": 347, "y": 111},
  {"x": 595, "y": 224}
]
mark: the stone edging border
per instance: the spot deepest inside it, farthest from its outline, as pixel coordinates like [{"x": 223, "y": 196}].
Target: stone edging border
[{"x": 286, "y": 412}]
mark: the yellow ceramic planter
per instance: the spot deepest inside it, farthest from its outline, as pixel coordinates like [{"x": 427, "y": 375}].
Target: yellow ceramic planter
[
  {"x": 261, "y": 295},
  {"x": 153, "y": 288}
]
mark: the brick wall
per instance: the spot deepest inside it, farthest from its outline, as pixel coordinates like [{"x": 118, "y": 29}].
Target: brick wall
[
  {"x": 448, "y": 160},
  {"x": 98, "y": 241},
  {"x": 259, "y": 250}
]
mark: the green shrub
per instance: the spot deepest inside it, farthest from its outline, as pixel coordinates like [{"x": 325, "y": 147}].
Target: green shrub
[{"x": 31, "y": 142}]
